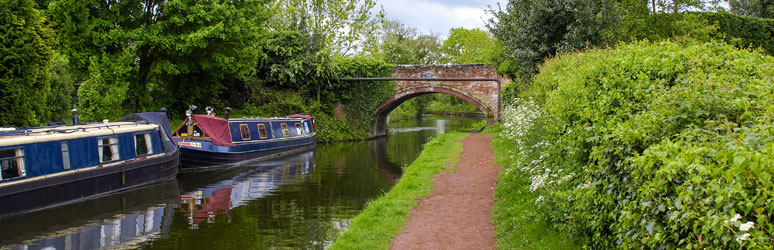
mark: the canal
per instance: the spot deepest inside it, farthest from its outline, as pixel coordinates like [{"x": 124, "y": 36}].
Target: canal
[{"x": 302, "y": 201}]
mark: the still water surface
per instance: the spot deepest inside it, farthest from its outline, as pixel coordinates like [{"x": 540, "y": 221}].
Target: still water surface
[{"x": 302, "y": 201}]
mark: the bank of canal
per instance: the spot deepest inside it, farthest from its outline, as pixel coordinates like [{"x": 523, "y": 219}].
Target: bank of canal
[{"x": 302, "y": 201}]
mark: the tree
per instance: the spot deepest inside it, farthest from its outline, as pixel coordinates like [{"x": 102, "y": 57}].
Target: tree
[
  {"x": 470, "y": 46},
  {"x": 343, "y": 26},
  {"x": 401, "y": 44},
  {"x": 754, "y": 8},
  {"x": 532, "y": 30},
  {"x": 60, "y": 98},
  {"x": 25, "y": 46},
  {"x": 179, "y": 51}
]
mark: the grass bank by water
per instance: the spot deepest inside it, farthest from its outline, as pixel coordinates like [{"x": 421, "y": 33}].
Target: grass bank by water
[
  {"x": 385, "y": 217},
  {"x": 517, "y": 221}
]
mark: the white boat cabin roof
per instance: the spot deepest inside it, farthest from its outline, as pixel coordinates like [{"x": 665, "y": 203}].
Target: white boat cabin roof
[{"x": 43, "y": 134}]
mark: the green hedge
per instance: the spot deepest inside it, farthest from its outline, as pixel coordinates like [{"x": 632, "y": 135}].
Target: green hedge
[
  {"x": 652, "y": 145},
  {"x": 748, "y": 32},
  {"x": 741, "y": 31}
]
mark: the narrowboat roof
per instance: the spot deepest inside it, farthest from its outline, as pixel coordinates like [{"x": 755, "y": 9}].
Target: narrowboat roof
[
  {"x": 217, "y": 128},
  {"x": 55, "y": 133},
  {"x": 262, "y": 119},
  {"x": 302, "y": 116}
]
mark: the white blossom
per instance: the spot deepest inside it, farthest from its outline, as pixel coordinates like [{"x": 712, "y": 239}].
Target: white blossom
[
  {"x": 742, "y": 237},
  {"x": 518, "y": 119},
  {"x": 734, "y": 219},
  {"x": 746, "y": 226}
]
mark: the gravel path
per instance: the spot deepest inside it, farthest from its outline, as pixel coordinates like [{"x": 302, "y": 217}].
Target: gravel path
[{"x": 457, "y": 215}]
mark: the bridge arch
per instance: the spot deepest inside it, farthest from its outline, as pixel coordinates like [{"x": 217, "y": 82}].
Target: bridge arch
[
  {"x": 380, "y": 125},
  {"x": 478, "y": 84}
]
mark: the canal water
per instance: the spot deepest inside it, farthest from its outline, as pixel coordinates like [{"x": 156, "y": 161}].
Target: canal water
[{"x": 302, "y": 201}]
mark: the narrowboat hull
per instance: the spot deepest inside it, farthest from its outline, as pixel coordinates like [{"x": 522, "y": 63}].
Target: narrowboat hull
[
  {"x": 78, "y": 185},
  {"x": 213, "y": 156}
]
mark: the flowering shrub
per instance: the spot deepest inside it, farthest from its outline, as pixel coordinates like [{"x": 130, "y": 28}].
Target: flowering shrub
[{"x": 652, "y": 145}]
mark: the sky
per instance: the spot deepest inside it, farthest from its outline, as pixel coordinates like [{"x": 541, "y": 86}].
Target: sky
[{"x": 438, "y": 16}]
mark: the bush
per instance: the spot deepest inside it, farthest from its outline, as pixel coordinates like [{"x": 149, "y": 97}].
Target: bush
[
  {"x": 652, "y": 145},
  {"x": 741, "y": 31}
]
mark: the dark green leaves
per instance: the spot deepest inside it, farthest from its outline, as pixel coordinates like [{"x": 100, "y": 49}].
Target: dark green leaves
[
  {"x": 532, "y": 30},
  {"x": 25, "y": 51}
]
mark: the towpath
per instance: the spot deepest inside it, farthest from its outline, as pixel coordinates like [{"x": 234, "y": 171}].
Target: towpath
[{"x": 457, "y": 214}]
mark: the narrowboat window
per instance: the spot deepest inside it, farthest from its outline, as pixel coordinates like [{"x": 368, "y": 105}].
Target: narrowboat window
[
  {"x": 245, "y": 131},
  {"x": 143, "y": 144},
  {"x": 262, "y": 131},
  {"x": 12, "y": 164},
  {"x": 299, "y": 131},
  {"x": 285, "y": 131},
  {"x": 65, "y": 155},
  {"x": 108, "y": 149}
]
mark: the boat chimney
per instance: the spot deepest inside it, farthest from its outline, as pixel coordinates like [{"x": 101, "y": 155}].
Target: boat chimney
[
  {"x": 75, "y": 116},
  {"x": 228, "y": 112},
  {"x": 164, "y": 109}
]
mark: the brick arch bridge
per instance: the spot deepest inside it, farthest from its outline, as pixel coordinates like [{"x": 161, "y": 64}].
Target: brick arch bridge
[{"x": 477, "y": 84}]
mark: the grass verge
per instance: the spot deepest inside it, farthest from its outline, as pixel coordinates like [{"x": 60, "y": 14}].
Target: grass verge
[
  {"x": 385, "y": 217},
  {"x": 518, "y": 223}
]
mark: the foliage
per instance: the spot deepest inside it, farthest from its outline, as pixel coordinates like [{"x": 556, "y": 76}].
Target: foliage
[
  {"x": 449, "y": 103},
  {"x": 741, "y": 31},
  {"x": 332, "y": 129},
  {"x": 466, "y": 46},
  {"x": 291, "y": 62},
  {"x": 401, "y": 44},
  {"x": 342, "y": 26},
  {"x": 181, "y": 49},
  {"x": 753, "y": 8},
  {"x": 517, "y": 218},
  {"x": 676, "y": 6},
  {"x": 652, "y": 145},
  {"x": 60, "y": 98},
  {"x": 532, "y": 30},
  {"x": 475, "y": 127},
  {"x": 102, "y": 95},
  {"x": 361, "y": 99},
  {"x": 26, "y": 48},
  {"x": 383, "y": 218},
  {"x": 409, "y": 109},
  {"x": 744, "y": 32}
]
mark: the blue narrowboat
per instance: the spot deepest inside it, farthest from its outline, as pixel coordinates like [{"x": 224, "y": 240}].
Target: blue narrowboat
[
  {"x": 208, "y": 142},
  {"x": 56, "y": 165}
]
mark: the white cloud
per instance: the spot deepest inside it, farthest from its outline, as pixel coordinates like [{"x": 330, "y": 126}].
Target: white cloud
[{"x": 438, "y": 16}]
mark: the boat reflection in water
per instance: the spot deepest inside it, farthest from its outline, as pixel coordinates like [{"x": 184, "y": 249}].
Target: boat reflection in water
[
  {"x": 118, "y": 221},
  {"x": 239, "y": 185}
]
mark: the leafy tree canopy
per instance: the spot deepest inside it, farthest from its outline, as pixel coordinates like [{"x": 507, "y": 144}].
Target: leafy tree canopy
[
  {"x": 532, "y": 30},
  {"x": 753, "y": 8},
  {"x": 470, "y": 46},
  {"x": 675, "y": 6},
  {"x": 26, "y": 48},
  {"x": 343, "y": 26},
  {"x": 401, "y": 44},
  {"x": 181, "y": 49}
]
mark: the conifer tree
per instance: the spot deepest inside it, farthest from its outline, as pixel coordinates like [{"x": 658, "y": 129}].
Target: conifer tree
[{"x": 25, "y": 52}]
